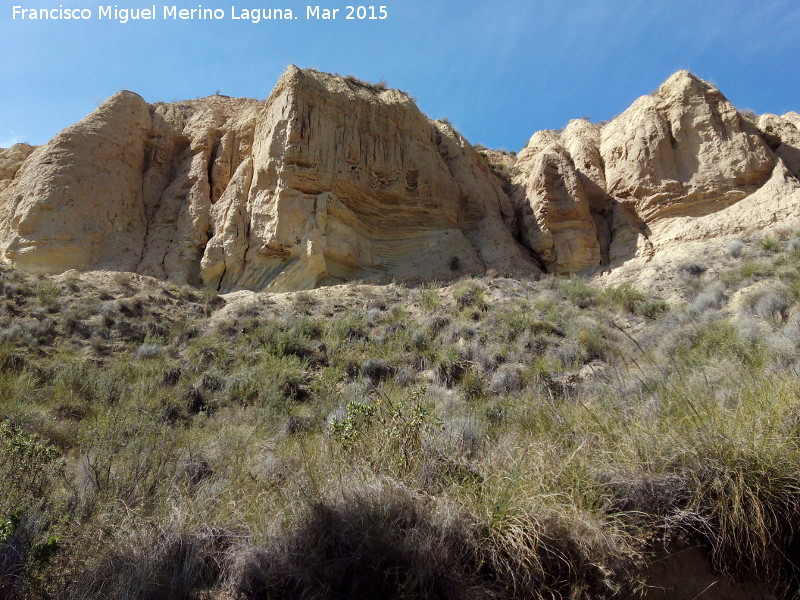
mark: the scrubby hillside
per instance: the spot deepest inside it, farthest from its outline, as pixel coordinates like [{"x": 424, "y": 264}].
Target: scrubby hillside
[{"x": 484, "y": 438}]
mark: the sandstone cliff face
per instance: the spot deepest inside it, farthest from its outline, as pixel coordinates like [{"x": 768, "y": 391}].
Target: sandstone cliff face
[
  {"x": 783, "y": 136},
  {"x": 332, "y": 180},
  {"x": 77, "y": 201},
  {"x": 194, "y": 151},
  {"x": 328, "y": 180},
  {"x": 11, "y": 160},
  {"x": 592, "y": 196},
  {"x": 684, "y": 150},
  {"x": 565, "y": 212},
  {"x": 553, "y": 200},
  {"x": 348, "y": 182}
]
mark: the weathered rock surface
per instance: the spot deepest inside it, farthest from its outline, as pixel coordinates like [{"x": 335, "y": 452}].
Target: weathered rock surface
[
  {"x": 672, "y": 242},
  {"x": 553, "y": 200},
  {"x": 195, "y": 151},
  {"x": 348, "y": 182},
  {"x": 776, "y": 202},
  {"x": 76, "y": 202},
  {"x": 783, "y": 136},
  {"x": 565, "y": 212},
  {"x": 328, "y": 180},
  {"x": 331, "y": 179},
  {"x": 683, "y": 151},
  {"x": 11, "y": 160},
  {"x": 592, "y": 196}
]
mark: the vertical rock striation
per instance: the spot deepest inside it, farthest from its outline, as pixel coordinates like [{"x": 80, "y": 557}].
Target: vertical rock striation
[
  {"x": 591, "y": 196},
  {"x": 328, "y": 180},
  {"x": 346, "y": 181},
  {"x": 332, "y": 179}
]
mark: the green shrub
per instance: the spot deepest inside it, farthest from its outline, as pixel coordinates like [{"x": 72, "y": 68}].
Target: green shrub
[
  {"x": 27, "y": 468},
  {"x": 143, "y": 559},
  {"x": 473, "y": 384},
  {"x": 748, "y": 270},
  {"x": 579, "y": 291},
  {"x": 451, "y": 366},
  {"x": 470, "y": 295},
  {"x": 652, "y": 309},
  {"x": 47, "y": 291},
  {"x": 400, "y": 425},
  {"x": 429, "y": 299},
  {"x": 770, "y": 244},
  {"x": 290, "y": 452},
  {"x": 595, "y": 341},
  {"x": 624, "y": 297},
  {"x": 517, "y": 321},
  {"x": 303, "y": 302},
  {"x": 720, "y": 339}
]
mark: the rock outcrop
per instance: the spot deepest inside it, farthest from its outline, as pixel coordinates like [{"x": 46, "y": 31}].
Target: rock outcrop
[
  {"x": 11, "y": 160},
  {"x": 555, "y": 200},
  {"x": 783, "y": 136},
  {"x": 332, "y": 179},
  {"x": 349, "y": 182},
  {"x": 199, "y": 153},
  {"x": 328, "y": 180},
  {"x": 591, "y": 196},
  {"x": 683, "y": 151},
  {"x": 77, "y": 201}
]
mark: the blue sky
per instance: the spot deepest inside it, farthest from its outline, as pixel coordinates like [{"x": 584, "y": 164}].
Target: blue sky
[{"x": 498, "y": 69}]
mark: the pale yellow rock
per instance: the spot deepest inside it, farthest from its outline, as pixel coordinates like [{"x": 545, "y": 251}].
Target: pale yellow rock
[
  {"x": 783, "y": 136},
  {"x": 681, "y": 164},
  {"x": 673, "y": 241},
  {"x": 565, "y": 214},
  {"x": 76, "y": 202},
  {"x": 347, "y": 182},
  {"x": 581, "y": 138},
  {"x": 684, "y": 150},
  {"x": 501, "y": 162},
  {"x": 792, "y": 117},
  {"x": 332, "y": 180},
  {"x": 482, "y": 200},
  {"x": 618, "y": 227},
  {"x": 197, "y": 146},
  {"x": 329, "y": 180},
  {"x": 775, "y": 203},
  {"x": 555, "y": 213},
  {"x": 11, "y": 160}
]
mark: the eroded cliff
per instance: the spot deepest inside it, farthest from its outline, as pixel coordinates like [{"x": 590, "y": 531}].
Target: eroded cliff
[
  {"x": 331, "y": 179},
  {"x": 681, "y": 162},
  {"x": 328, "y": 180}
]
